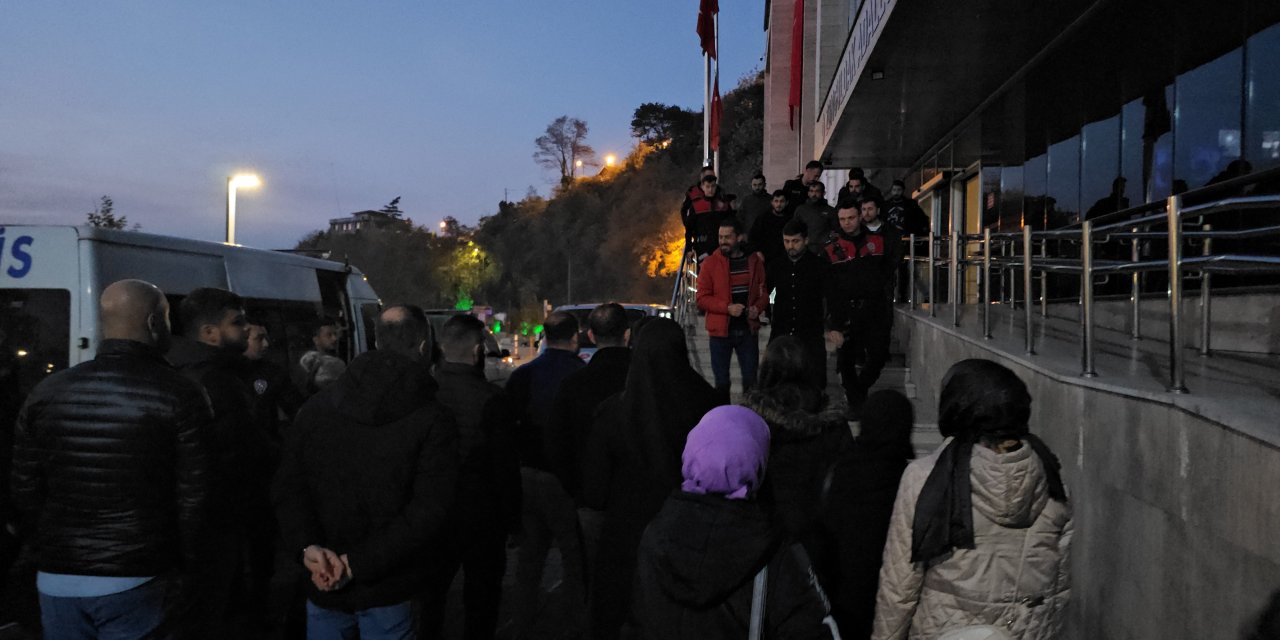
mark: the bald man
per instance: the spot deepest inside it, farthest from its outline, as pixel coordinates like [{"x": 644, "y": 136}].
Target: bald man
[{"x": 110, "y": 476}]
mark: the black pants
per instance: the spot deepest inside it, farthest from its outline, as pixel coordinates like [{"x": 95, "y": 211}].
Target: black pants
[
  {"x": 482, "y": 556},
  {"x": 867, "y": 336}
]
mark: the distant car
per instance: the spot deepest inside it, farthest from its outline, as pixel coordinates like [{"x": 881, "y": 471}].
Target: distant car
[
  {"x": 497, "y": 361},
  {"x": 587, "y": 348}
]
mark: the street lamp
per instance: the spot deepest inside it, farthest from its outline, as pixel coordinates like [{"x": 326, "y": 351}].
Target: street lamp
[
  {"x": 610, "y": 160},
  {"x": 247, "y": 180},
  {"x": 577, "y": 164}
]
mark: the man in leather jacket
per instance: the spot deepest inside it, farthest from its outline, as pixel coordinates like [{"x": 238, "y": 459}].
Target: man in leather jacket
[{"x": 110, "y": 476}]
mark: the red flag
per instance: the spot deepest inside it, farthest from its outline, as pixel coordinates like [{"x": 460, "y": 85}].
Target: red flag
[
  {"x": 707, "y": 25},
  {"x": 716, "y": 111},
  {"x": 797, "y": 62}
]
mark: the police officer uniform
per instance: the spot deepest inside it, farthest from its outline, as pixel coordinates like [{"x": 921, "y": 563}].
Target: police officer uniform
[{"x": 858, "y": 307}]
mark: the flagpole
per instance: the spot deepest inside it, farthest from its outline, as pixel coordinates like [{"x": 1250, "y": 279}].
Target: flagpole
[
  {"x": 706, "y": 109},
  {"x": 716, "y": 154}
]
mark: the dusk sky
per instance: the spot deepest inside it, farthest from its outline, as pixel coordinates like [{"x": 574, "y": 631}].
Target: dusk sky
[{"x": 339, "y": 106}]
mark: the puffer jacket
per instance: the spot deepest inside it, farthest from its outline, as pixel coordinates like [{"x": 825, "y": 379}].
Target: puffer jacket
[
  {"x": 1016, "y": 578},
  {"x": 110, "y": 465}
]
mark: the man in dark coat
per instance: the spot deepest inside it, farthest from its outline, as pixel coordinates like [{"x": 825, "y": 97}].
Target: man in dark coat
[
  {"x": 818, "y": 216},
  {"x": 797, "y": 283},
  {"x": 797, "y": 189},
  {"x": 211, "y": 352},
  {"x": 765, "y": 235},
  {"x": 755, "y": 204},
  {"x": 488, "y": 503},
  {"x": 858, "y": 309},
  {"x": 575, "y": 408},
  {"x": 548, "y": 511},
  {"x": 367, "y": 482},
  {"x": 110, "y": 476}
]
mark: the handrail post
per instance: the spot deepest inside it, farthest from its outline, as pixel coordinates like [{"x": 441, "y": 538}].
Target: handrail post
[
  {"x": 986, "y": 283},
  {"x": 1177, "y": 375},
  {"x": 933, "y": 275},
  {"x": 1026, "y": 287},
  {"x": 1086, "y": 294},
  {"x": 1206, "y": 307},
  {"x": 1135, "y": 291},
  {"x": 911, "y": 271},
  {"x": 953, "y": 284}
]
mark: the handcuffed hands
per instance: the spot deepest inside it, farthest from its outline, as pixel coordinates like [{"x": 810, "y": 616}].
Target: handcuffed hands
[{"x": 329, "y": 571}]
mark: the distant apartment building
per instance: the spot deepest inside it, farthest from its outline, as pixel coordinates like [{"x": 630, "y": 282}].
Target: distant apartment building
[{"x": 365, "y": 220}]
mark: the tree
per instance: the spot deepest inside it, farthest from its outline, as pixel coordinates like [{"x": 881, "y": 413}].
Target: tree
[
  {"x": 562, "y": 146},
  {"x": 104, "y": 216},
  {"x": 656, "y": 123},
  {"x": 393, "y": 208}
]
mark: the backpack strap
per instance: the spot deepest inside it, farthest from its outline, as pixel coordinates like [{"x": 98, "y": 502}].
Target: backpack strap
[{"x": 758, "y": 598}]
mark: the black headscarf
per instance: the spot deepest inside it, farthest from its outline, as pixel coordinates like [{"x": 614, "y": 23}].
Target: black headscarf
[
  {"x": 663, "y": 399},
  {"x": 979, "y": 399},
  {"x": 887, "y": 417}
]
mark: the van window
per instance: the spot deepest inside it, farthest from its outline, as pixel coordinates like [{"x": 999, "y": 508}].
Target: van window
[
  {"x": 334, "y": 300},
  {"x": 35, "y": 330},
  {"x": 289, "y": 325},
  {"x": 369, "y": 312}
]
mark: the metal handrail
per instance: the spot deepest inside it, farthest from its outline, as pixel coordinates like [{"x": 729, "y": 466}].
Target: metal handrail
[{"x": 1016, "y": 251}]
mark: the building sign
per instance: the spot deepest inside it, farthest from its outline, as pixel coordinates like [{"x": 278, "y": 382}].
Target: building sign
[{"x": 862, "y": 39}]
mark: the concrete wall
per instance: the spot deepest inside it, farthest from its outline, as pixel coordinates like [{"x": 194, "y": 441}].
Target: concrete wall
[{"x": 1177, "y": 518}]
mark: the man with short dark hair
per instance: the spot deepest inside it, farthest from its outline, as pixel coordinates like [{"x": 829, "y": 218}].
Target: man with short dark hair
[
  {"x": 856, "y": 188},
  {"x": 488, "y": 497},
  {"x": 731, "y": 291},
  {"x": 321, "y": 366},
  {"x": 211, "y": 352},
  {"x": 797, "y": 283},
  {"x": 707, "y": 207},
  {"x": 573, "y": 413},
  {"x": 818, "y": 217},
  {"x": 754, "y": 204},
  {"x": 904, "y": 212},
  {"x": 872, "y": 223},
  {"x": 548, "y": 511},
  {"x": 857, "y": 307},
  {"x": 367, "y": 482},
  {"x": 110, "y": 476},
  {"x": 798, "y": 188},
  {"x": 766, "y": 235}
]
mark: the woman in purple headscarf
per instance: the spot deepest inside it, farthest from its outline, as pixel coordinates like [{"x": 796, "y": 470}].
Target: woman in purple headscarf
[{"x": 713, "y": 563}]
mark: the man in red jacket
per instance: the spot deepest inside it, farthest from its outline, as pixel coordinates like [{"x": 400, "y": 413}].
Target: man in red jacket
[{"x": 731, "y": 292}]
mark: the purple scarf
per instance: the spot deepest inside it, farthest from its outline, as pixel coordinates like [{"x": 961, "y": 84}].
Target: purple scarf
[{"x": 726, "y": 453}]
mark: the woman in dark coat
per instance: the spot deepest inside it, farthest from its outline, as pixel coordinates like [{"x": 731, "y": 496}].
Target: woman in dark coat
[
  {"x": 713, "y": 564},
  {"x": 633, "y": 459},
  {"x": 857, "y": 505},
  {"x": 807, "y": 435}
]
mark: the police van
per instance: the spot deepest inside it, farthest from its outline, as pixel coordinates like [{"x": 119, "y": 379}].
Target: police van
[{"x": 51, "y": 279}]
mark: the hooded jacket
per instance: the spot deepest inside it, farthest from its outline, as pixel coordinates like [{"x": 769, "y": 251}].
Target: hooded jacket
[
  {"x": 1017, "y": 577},
  {"x": 696, "y": 569},
  {"x": 370, "y": 471}
]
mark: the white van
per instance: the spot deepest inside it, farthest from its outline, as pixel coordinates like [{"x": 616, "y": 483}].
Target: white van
[{"x": 51, "y": 278}]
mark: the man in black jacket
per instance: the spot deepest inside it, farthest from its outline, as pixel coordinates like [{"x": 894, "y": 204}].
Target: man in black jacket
[
  {"x": 765, "y": 235},
  {"x": 210, "y": 352},
  {"x": 488, "y": 503},
  {"x": 858, "y": 309},
  {"x": 797, "y": 189},
  {"x": 548, "y": 512},
  {"x": 110, "y": 476},
  {"x": 367, "y": 482},
  {"x": 797, "y": 307},
  {"x": 575, "y": 407}
]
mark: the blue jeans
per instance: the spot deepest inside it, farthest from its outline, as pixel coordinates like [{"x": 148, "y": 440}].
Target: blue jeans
[
  {"x": 747, "y": 346},
  {"x": 379, "y": 623},
  {"x": 136, "y": 613}
]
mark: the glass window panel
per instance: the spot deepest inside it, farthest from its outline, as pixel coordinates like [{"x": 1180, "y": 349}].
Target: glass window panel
[
  {"x": 1062, "y": 206},
  {"x": 1157, "y": 146},
  {"x": 1100, "y": 168},
  {"x": 1262, "y": 112},
  {"x": 1034, "y": 184},
  {"x": 1207, "y": 120},
  {"x": 1011, "y": 198},
  {"x": 1131, "y": 145}
]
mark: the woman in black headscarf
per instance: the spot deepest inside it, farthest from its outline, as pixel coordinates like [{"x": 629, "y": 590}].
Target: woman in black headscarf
[
  {"x": 981, "y": 529},
  {"x": 633, "y": 459}
]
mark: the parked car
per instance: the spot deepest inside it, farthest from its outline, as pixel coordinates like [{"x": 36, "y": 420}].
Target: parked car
[{"x": 587, "y": 348}]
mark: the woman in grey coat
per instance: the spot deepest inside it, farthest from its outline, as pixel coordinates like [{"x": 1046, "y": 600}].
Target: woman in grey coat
[{"x": 981, "y": 529}]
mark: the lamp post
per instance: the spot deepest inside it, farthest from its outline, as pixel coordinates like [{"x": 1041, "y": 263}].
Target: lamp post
[
  {"x": 247, "y": 180},
  {"x": 610, "y": 160}
]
